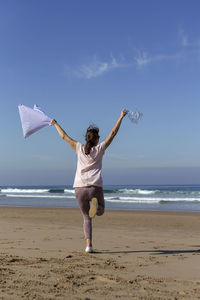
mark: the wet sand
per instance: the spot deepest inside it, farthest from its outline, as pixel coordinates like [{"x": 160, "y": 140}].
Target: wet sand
[{"x": 139, "y": 255}]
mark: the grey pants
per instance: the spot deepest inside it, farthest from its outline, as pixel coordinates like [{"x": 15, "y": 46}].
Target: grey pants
[{"x": 83, "y": 197}]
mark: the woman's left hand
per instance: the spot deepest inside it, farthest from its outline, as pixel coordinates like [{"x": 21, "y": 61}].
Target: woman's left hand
[{"x": 123, "y": 113}]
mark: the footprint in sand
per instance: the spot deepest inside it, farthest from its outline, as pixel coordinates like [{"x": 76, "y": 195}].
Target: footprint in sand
[{"x": 104, "y": 279}]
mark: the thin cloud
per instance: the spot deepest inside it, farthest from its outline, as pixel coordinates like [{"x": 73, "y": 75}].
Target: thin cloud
[
  {"x": 97, "y": 68},
  {"x": 183, "y": 38},
  {"x": 143, "y": 59},
  {"x": 187, "y": 49}
]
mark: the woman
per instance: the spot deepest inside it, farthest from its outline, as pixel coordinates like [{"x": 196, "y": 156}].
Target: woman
[{"x": 88, "y": 179}]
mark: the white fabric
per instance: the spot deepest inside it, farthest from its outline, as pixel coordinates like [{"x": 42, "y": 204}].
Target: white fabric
[
  {"x": 32, "y": 119},
  {"x": 89, "y": 166}
]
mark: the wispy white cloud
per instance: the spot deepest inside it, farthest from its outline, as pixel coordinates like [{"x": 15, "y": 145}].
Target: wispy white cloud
[
  {"x": 188, "y": 49},
  {"x": 192, "y": 45},
  {"x": 184, "y": 38},
  {"x": 97, "y": 68},
  {"x": 143, "y": 59}
]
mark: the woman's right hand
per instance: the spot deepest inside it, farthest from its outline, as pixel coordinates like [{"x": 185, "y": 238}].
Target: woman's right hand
[{"x": 53, "y": 122}]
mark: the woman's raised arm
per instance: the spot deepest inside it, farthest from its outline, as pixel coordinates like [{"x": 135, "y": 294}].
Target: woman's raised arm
[
  {"x": 115, "y": 129},
  {"x": 72, "y": 143}
]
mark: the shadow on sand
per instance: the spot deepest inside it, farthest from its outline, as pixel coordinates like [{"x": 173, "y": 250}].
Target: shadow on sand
[{"x": 152, "y": 252}]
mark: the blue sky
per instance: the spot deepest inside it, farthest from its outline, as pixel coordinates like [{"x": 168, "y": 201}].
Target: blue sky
[{"x": 84, "y": 61}]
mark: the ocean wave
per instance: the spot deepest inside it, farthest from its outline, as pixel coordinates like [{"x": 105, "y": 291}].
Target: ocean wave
[
  {"x": 188, "y": 192},
  {"x": 15, "y": 190},
  {"x": 57, "y": 191},
  {"x": 131, "y": 191},
  {"x": 149, "y": 200},
  {"x": 139, "y": 191},
  {"x": 110, "y": 191},
  {"x": 69, "y": 191},
  {"x": 36, "y": 191},
  {"x": 40, "y": 196},
  {"x": 157, "y": 191}
]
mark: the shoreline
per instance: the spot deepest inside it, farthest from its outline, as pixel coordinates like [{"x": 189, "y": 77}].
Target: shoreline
[
  {"x": 139, "y": 255},
  {"x": 106, "y": 209}
]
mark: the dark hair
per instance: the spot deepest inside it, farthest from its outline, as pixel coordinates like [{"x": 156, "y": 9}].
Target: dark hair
[{"x": 92, "y": 134}]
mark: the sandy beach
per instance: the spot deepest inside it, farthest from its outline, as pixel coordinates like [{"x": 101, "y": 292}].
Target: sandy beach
[{"x": 139, "y": 255}]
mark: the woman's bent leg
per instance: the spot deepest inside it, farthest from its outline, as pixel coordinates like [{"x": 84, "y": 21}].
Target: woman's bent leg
[{"x": 97, "y": 192}]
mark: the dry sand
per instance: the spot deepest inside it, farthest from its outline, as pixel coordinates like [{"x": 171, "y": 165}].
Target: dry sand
[{"x": 140, "y": 255}]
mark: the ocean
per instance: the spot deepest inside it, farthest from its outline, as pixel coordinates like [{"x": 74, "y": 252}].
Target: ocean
[{"x": 120, "y": 197}]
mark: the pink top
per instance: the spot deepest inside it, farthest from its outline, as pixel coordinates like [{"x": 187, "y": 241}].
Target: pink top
[{"x": 89, "y": 166}]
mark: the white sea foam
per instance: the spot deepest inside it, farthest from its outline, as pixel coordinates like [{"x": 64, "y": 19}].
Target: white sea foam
[
  {"x": 138, "y": 191},
  {"x": 10, "y": 190},
  {"x": 69, "y": 191},
  {"x": 149, "y": 200},
  {"x": 40, "y": 196},
  {"x": 146, "y": 192}
]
